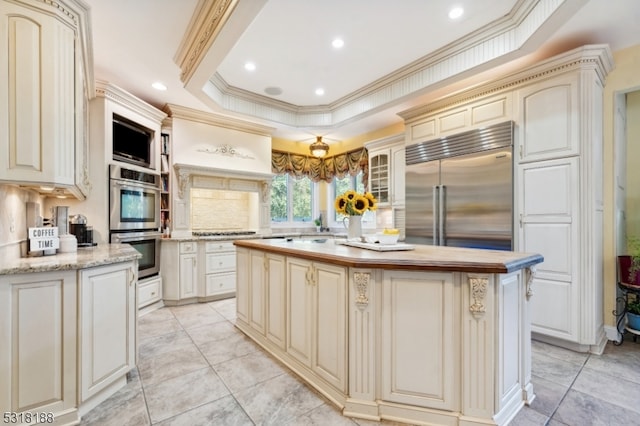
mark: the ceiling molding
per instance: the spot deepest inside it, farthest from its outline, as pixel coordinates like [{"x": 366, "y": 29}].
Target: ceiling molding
[
  {"x": 126, "y": 99},
  {"x": 206, "y": 23},
  {"x": 597, "y": 57},
  {"x": 490, "y": 46},
  {"x": 176, "y": 111}
]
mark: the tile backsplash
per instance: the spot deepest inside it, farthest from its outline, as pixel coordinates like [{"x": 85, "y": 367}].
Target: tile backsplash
[
  {"x": 224, "y": 210},
  {"x": 13, "y": 219}
]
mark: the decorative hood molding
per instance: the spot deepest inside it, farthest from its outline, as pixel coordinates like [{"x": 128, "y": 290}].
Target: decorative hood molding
[{"x": 224, "y": 178}]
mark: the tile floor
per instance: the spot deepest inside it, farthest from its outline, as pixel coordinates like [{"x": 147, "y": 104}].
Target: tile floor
[{"x": 195, "y": 368}]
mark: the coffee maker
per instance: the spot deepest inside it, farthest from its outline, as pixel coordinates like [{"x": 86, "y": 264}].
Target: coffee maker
[{"x": 78, "y": 227}]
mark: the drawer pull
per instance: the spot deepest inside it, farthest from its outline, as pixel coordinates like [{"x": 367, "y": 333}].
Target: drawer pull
[{"x": 153, "y": 293}]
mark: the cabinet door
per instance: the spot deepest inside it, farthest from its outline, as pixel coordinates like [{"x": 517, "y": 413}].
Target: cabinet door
[
  {"x": 398, "y": 165},
  {"x": 243, "y": 276},
  {"x": 257, "y": 290},
  {"x": 188, "y": 275},
  {"x": 38, "y": 332},
  {"x": 419, "y": 332},
  {"x": 38, "y": 112},
  {"x": 299, "y": 309},
  {"x": 107, "y": 325},
  {"x": 330, "y": 326},
  {"x": 379, "y": 176},
  {"x": 548, "y": 205},
  {"x": 548, "y": 122},
  {"x": 276, "y": 299}
]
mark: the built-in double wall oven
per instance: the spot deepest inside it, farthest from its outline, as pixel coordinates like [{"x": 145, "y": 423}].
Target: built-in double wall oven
[{"x": 134, "y": 216}]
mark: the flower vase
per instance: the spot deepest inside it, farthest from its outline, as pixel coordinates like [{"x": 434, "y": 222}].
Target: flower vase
[{"x": 354, "y": 227}]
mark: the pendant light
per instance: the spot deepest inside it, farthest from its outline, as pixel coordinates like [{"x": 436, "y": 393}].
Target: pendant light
[{"x": 319, "y": 149}]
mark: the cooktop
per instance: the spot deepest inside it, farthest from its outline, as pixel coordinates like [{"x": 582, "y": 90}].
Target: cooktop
[{"x": 220, "y": 233}]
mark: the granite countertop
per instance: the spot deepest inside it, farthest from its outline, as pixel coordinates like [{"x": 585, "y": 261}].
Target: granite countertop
[
  {"x": 275, "y": 235},
  {"x": 422, "y": 257},
  {"x": 85, "y": 257}
]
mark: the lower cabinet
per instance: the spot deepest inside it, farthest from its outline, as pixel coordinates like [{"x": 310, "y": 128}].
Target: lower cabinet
[
  {"x": 67, "y": 339},
  {"x": 197, "y": 271},
  {"x": 149, "y": 291},
  {"x": 38, "y": 341},
  {"x": 107, "y": 324},
  {"x": 316, "y": 318}
]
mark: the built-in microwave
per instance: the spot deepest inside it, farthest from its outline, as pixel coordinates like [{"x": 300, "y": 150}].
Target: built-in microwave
[
  {"x": 134, "y": 199},
  {"x": 132, "y": 142}
]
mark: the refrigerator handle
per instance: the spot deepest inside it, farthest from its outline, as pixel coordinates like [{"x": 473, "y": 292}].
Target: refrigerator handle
[
  {"x": 442, "y": 215},
  {"x": 436, "y": 216}
]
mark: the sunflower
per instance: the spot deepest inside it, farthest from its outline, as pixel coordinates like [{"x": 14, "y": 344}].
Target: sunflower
[
  {"x": 341, "y": 204},
  {"x": 371, "y": 200},
  {"x": 359, "y": 204}
]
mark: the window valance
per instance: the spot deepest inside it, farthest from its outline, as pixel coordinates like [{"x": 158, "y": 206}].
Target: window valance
[{"x": 321, "y": 169}]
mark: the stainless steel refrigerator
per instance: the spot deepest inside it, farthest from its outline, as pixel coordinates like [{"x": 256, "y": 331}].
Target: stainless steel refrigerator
[{"x": 459, "y": 189}]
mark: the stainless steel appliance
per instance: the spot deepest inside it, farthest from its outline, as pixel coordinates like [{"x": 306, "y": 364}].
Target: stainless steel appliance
[
  {"x": 134, "y": 201},
  {"x": 459, "y": 189},
  {"x": 148, "y": 244}
]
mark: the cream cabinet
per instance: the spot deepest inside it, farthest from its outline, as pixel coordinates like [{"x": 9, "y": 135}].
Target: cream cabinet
[
  {"x": 67, "y": 339},
  {"x": 107, "y": 324},
  {"x": 188, "y": 270},
  {"x": 43, "y": 114},
  {"x": 386, "y": 170},
  {"x": 220, "y": 269},
  {"x": 316, "y": 318},
  {"x": 38, "y": 341},
  {"x": 275, "y": 299},
  {"x": 419, "y": 314},
  {"x": 149, "y": 291},
  {"x": 243, "y": 279}
]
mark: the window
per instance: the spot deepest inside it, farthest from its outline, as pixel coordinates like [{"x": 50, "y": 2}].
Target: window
[{"x": 293, "y": 201}]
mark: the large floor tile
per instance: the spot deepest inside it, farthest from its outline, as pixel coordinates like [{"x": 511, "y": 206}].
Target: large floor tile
[
  {"x": 212, "y": 332},
  {"x": 618, "y": 361},
  {"x": 155, "y": 346},
  {"x": 183, "y": 393},
  {"x": 580, "y": 409},
  {"x": 278, "y": 401},
  {"x": 547, "y": 350},
  {"x": 196, "y": 314},
  {"x": 249, "y": 370},
  {"x": 237, "y": 345},
  {"x": 226, "y": 308},
  {"x": 527, "y": 416},
  {"x": 323, "y": 415},
  {"x": 171, "y": 364},
  {"x": 614, "y": 390},
  {"x": 548, "y": 395},
  {"x": 224, "y": 412},
  {"x": 151, "y": 329},
  {"x": 555, "y": 370}
]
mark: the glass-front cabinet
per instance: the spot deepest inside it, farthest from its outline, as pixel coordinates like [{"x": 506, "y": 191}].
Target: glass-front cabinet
[{"x": 379, "y": 176}]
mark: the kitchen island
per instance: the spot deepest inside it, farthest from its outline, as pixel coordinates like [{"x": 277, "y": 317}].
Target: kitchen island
[{"x": 436, "y": 335}]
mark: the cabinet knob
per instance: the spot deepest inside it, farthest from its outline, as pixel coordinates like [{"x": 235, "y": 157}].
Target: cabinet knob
[{"x": 153, "y": 293}]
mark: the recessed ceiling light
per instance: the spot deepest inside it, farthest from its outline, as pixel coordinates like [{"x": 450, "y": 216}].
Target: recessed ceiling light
[
  {"x": 320, "y": 91},
  {"x": 159, "y": 86},
  {"x": 273, "y": 91},
  {"x": 337, "y": 43},
  {"x": 456, "y": 12},
  {"x": 250, "y": 66}
]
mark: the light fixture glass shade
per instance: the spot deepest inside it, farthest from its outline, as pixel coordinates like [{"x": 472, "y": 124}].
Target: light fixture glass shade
[{"x": 318, "y": 148}]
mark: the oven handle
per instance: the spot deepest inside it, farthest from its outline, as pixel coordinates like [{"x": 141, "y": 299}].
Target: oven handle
[
  {"x": 134, "y": 185},
  {"x": 126, "y": 237}
]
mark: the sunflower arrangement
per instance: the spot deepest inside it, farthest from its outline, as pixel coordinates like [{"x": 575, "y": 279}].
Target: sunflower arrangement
[{"x": 354, "y": 203}]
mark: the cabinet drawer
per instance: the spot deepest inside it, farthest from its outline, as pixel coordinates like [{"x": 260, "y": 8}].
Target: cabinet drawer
[
  {"x": 149, "y": 292},
  {"x": 188, "y": 247},
  {"x": 220, "y": 283},
  {"x": 220, "y": 262},
  {"x": 214, "y": 246}
]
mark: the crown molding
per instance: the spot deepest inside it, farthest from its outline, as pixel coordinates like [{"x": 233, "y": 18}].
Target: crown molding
[
  {"x": 490, "y": 46},
  {"x": 176, "y": 111},
  {"x": 126, "y": 99},
  {"x": 206, "y": 23},
  {"x": 597, "y": 57}
]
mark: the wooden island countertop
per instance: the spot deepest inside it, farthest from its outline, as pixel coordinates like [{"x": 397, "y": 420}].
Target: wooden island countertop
[{"x": 422, "y": 257}]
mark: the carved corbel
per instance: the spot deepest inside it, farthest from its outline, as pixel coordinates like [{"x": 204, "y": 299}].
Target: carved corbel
[
  {"x": 361, "y": 283},
  {"x": 183, "y": 181},
  {"x": 265, "y": 191},
  {"x": 530, "y": 273},
  {"x": 478, "y": 286}
]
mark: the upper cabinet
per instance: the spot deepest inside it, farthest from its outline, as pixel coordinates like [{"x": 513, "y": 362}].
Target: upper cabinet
[
  {"x": 47, "y": 78},
  {"x": 386, "y": 170}
]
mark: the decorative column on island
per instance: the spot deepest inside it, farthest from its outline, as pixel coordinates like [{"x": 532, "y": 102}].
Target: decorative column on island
[{"x": 438, "y": 335}]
